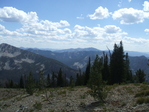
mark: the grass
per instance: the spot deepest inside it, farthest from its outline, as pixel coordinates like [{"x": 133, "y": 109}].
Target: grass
[
  {"x": 144, "y": 86},
  {"x": 83, "y": 96},
  {"x": 38, "y": 105},
  {"x": 61, "y": 92},
  {"x": 142, "y": 100},
  {"x": 129, "y": 89},
  {"x": 19, "y": 98},
  {"x": 142, "y": 93}
]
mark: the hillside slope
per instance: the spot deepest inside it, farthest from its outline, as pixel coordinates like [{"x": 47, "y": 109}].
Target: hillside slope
[{"x": 15, "y": 62}]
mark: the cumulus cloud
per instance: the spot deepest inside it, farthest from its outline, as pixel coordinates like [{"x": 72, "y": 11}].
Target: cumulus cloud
[
  {"x": 112, "y": 29},
  {"x": 136, "y": 40},
  {"x": 100, "y": 13},
  {"x": 146, "y": 6},
  {"x": 10, "y": 14},
  {"x": 32, "y": 27},
  {"x": 130, "y": 16},
  {"x": 106, "y": 33},
  {"x": 5, "y": 32},
  {"x": 46, "y": 28}
]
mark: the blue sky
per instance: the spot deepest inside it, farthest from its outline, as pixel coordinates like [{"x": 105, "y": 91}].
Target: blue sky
[{"x": 62, "y": 24}]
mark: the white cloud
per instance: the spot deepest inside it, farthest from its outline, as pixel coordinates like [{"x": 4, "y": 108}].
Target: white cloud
[
  {"x": 112, "y": 29},
  {"x": 146, "y": 6},
  {"x": 100, "y": 13},
  {"x": 106, "y": 33},
  {"x": 146, "y": 30},
  {"x": 2, "y": 28},
  {"x": 129, "y": 0},
  {"x": 120, "y": 3},
  {"x": 46, "y": 28},
  {"x": 10, "y": 14},
  {"x": 136, "y": 40},
  {"x": 80, "y": 17},
  {"x": 64, "y": 23},
  {"x": 35, "y": 33},
  {"x": 5, "y": 32},
  {"x": 130, "y": 16}
]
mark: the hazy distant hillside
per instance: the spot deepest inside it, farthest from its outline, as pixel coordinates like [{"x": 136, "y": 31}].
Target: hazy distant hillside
[
  {"x": 15, "y": 62},
  {"x": 74, "y": 59},
  {"x": 139, "y": 62},
  {"x": 78, "y": 59}
]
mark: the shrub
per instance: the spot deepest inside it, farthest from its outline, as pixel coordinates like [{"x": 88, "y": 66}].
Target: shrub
[
  {"x": 140, "y": 100},
  {"x": 37, "y": 106},
  {"x": 142, "y": 93}
]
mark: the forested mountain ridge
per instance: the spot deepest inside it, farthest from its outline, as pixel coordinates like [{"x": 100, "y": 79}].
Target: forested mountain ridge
[{"x": 15, "y": 62}]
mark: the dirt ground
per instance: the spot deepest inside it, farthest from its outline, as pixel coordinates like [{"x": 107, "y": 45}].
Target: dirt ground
[{"x": 121, "y": 98}]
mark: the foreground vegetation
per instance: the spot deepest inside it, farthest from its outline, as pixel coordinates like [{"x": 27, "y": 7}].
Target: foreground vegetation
[{"x": 124, "y": 97}]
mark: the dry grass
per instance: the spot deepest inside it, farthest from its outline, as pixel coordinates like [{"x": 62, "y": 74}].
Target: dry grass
[{"x": 120, "y": 98}]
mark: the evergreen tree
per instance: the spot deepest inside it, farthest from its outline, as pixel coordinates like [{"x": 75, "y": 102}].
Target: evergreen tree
[
  {"x": 80, "y": 78},
  {"x": 53, "y": 80},
  {"x": 87, "y": 72},
  {"x": 42, "y": 81},
  {"x": 140, "y": 75},
  {"x": 66, "y": 82},
  {"x": 127, "y": 69},
  {"x": 71, "y": 82},
  {"x": 21, "y": 83},
  {"x": 30, "y": 84},
  {"x": 9, "y": 84},
  {"x": 77, "y": 80},
  {"x": 117, "y": 65},
  {"x": 48, "y": 81},
  {"x": 60, "y": 81},
  {"x": 105, "y": 70},
  {"x": 95, "y": 82}
]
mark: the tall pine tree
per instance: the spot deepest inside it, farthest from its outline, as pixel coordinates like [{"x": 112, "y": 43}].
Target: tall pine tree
[
  {"x": 105, "y": 70},
  {"x": 128, "y": 72},
  {"x": 117, "y": 65},
  {"x": 21, "y": 83},
  {"x": 48, "y": 81},
  {"x": 30, "y": 84},
  {"x": 87, "y": 72},
  {"x": 60, "y": 80}
]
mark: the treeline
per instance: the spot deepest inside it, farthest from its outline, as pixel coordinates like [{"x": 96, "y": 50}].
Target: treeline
[
  {"x": 114, "y": 68},
  {"x": 42, "y": 80}
]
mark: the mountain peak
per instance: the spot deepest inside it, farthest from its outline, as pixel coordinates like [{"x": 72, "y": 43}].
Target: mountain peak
[
  {"x": 5, "y": 45},
  {"x": 8, "y": 50}
]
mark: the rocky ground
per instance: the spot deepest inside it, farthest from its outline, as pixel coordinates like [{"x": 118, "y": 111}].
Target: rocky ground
[{"x": 121, "y": 98}]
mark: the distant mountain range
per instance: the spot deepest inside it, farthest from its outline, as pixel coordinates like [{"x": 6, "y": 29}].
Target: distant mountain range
[
  {"x": 15, "y": 62},
  {"x": 78, "y": 58}
]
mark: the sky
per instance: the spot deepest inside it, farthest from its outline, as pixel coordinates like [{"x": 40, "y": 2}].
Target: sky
[{"x": 63, "y": 24}]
